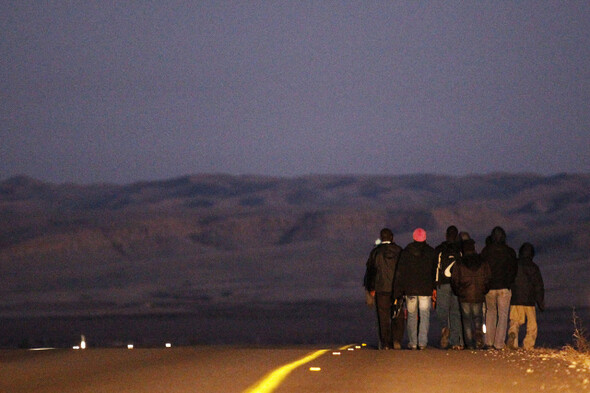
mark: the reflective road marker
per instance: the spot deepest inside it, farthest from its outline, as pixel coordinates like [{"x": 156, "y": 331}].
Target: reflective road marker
[{"x": 274, "y": 379}]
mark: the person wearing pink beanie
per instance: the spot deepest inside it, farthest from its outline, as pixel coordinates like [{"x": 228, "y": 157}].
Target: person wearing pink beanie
[{"x": 415, "y": 280}]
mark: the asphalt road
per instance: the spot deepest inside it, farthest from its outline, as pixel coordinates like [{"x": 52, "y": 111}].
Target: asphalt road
[{"x": 287, "y": 370}]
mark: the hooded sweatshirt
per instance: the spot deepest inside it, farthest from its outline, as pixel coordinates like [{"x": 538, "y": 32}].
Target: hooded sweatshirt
[
  {"x": 528, "y": 287},
  {"x": 501, "y": 259}
]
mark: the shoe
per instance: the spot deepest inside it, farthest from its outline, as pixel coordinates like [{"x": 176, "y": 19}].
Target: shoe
[
  {"x": 412, "y": 347},
  {"x": 457, "y": 347},
  {"x": 397, "y": 345},
  {"x": 511, "y": 343},
  {"x": 422, "y": 347},
  {"x": 444, "y": 337}
]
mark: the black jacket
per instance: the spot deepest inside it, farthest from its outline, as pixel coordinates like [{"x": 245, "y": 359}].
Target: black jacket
[
  {"x": 447, "y": 254},
  {"x": 381, "y": 267},
  {"x": 502, "y": 260},
  {"x": 415, "y": 271},
  {"x": 528, "y": 287},
  {"x": 471, "y": 279}
]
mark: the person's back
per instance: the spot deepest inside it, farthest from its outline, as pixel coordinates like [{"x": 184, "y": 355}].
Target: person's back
[
  {"x": 379, "y": 278},
  {"x": 527, "y": 290},
  {"x": 415, "y": 280},
  {"x": 501, "y": 259},
  {"x": 385, "y": 257},
  {"x": 471, "y": 279}
]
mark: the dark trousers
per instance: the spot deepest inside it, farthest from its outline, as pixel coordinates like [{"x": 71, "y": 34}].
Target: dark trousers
[{"x": 390, "y": 330}]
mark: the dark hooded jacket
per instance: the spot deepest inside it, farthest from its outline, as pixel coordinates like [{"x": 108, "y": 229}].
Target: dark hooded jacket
[
  {"x": 381, "y": 267},
  {"x": 501, "y": 259},
  {"x": 415, "y": 270},
  {"x": 470, "y": 278},
  {"x": 528, "y": 287}
]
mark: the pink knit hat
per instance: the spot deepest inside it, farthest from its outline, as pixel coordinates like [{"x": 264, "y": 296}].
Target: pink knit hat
[{"x": 419, "y": 235}]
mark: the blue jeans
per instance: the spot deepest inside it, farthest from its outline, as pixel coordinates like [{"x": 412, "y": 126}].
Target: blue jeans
[
  {"x": 418, "y": 336},
  {"x": 497, "y": 309},
  {"x": 448, "y": 313},
  {"x": 472, "y": 314}
]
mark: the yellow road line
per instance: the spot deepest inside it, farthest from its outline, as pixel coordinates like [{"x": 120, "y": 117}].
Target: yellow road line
[{"x": 274, "y": 379}]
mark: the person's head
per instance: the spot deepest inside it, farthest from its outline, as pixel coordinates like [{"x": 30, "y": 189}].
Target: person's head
[
  {"x": 386, "y": 235},
  {"x": 526, "y": 251},
  {"x": 463, "y": 236},
  {"x": 498, "y": 235},
  {"x": 469, "y": 246},
  {"x": 419, "y": 235},
  {"x": 452, "y": 233}
]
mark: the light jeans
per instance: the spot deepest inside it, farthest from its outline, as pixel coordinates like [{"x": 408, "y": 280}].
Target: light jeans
[
  {"x": 418, "y": 305},
  {"x": 448, "y": 313},
  {"x": 497, "y": 309}
]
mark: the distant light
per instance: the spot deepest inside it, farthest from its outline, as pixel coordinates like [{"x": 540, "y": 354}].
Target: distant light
[
  {"x": 76, "y": 347},
  {"x": 364, "y": 345},
  {"x": 351, "y": 349},
  {"x": 484, "y": 328},
  {"x": 315, "y": 369},
  {"x": 358, "y": 347},
  {"x": 168, "y": 345},
  {"x": 336, "y": 353},
  {"x": 40, "y": 349},
  {"x": 83, "y": 342},
  {"x": 129, "y": 346}
]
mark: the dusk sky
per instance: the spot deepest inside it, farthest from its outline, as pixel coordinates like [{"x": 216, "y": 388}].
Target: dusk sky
[{"x": 123, "y": 91}]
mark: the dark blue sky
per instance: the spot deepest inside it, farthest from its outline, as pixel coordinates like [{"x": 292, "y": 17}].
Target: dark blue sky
[{"x": 116, "y": 91}]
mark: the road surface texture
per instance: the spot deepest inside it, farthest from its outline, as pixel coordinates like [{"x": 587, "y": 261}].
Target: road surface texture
[{"x": 288, "y": 370}]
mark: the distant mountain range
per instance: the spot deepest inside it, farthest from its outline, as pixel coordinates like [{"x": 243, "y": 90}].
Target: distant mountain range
[{"x": 174, "y": 244}]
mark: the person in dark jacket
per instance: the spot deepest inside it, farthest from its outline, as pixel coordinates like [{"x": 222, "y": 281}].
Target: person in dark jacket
[
  {"x": 471, "y": 281},
  {"x": 415, "y": 280},
  {"x": 379, "y": 276},
  {"x": 527, "y": 290},
  {"x": 447, "y": 304},
  {"x": 502, "y": 261}
]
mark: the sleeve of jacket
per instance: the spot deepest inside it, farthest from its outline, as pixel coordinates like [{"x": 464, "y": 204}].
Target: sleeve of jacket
[
  {"x": 539, "y": 288},
  {"x": 398, "y": 281},
  {"x": 456, "y": 278},
  {"x": 370, "y": 272},
  {"x": 513, "y": 266},
  {"x": 487, "y": 276}
]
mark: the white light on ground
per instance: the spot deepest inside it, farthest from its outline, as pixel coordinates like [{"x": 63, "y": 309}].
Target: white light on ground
[
  {"x": 351, "y": 349},
  {"x": 168, "y": 345},
  {"x": 336, "y": 353},
  {"x": 129, "y": 346},
  {"x": 76, "y": 347}
]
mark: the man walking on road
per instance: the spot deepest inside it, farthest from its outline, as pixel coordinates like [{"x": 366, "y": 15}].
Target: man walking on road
[
  {"x": 379, "y": 277},
  {"x": 415, "y": 280},
  {"x": 502, "y": 261}
]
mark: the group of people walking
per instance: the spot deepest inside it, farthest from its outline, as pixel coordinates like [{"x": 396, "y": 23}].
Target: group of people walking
[{"x": 463, "y": 286}]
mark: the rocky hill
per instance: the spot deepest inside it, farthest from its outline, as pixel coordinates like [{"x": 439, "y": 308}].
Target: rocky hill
[{"x": 174, "y": 244}]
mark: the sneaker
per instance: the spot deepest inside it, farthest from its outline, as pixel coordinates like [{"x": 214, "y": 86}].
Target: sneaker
[
  {"x": 457, "y": 347},
  {"x": 422, "y": 347},
  {"x": 512, "y": 341},
  {"x": 412, "y": 347},
  {"x": 397, "y": 345},
  {"x": 444, "y": 338}
]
